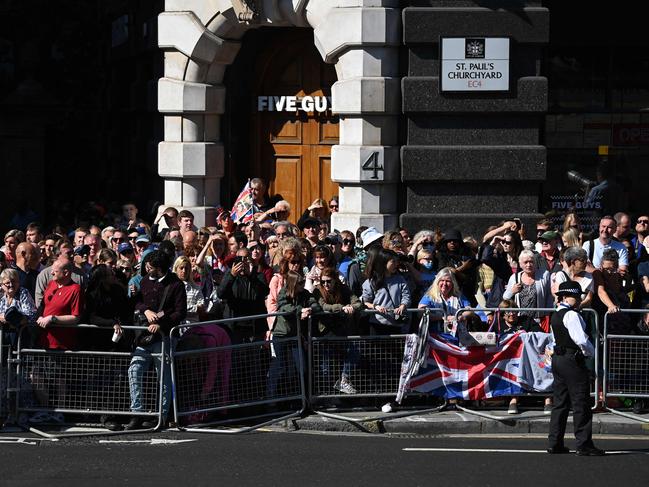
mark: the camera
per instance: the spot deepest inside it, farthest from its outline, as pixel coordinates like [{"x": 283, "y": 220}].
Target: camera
[
  {"x": 406, "y": 258},
  {"x": 577, "y": 178}
]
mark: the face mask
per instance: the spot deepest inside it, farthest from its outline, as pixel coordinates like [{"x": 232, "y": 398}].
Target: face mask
[{"x": 428, "y": 266}]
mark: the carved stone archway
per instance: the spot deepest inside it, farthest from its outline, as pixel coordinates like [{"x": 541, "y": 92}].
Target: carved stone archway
[{"x": 361, "y": 37}]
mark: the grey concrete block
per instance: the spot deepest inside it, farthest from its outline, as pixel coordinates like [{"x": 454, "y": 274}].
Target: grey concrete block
[
  {"x": 524, "y": 25},
  {"x": 422, "y": 94},
  {"x": 477, "y": 163},
  {"x": 473, "y": 129},
  {"x": 468, "y": 197}
]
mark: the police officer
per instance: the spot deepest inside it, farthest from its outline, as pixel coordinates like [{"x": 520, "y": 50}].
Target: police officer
[{"x": 571, "y": 377}]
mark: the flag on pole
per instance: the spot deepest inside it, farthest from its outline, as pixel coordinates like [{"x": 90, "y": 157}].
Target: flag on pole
[{"x": 243, "y": 211}]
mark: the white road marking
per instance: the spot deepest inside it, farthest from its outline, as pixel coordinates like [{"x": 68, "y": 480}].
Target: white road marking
[
  {"x": 18, "y": 441},
  {"x": 500, "y": 450},
  {"x": 152, "y": 441},
  {"x": 475, "y": 450}
]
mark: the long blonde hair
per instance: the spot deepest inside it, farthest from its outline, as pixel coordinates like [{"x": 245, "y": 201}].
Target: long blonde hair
[{"x": 433, "y": 290}]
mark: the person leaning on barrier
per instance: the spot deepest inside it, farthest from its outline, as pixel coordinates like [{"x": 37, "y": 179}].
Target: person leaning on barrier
[
  {"x": 17, "y": 307},
  {"x": 444, "y": 294},
  {"x": 162, "y": 302},
  {"x": 571, "y": 384},
  {"x": 295, "y": 299},
  {"x": 386, "y": 291},
  {"x": 342, "y": 306},
  {"x": 62, "y": 304}
]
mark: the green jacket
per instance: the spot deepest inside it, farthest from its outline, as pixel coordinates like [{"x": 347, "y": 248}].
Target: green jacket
[
  {"x": 286, "y": 326},
  {"x": 337, "y": 322}
]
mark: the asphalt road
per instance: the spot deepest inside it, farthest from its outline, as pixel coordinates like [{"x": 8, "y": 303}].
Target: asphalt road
[{"x": 306, "y": 459}]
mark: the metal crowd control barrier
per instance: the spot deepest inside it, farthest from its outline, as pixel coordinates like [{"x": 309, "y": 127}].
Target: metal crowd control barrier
[
  {"x": 358, "y": 367},
  {"x": 510, "y": 417},
  {"x": 217, "y": 383},
  {"x": 626, "y": 365},
  {"x": 56, "y": 382}
]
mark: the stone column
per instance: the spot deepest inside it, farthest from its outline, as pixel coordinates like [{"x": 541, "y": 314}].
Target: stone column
[
  {"x": 362, "y": 37},
  {"x": 473, "y": 159},
  {"x": 199, "y": 40}
]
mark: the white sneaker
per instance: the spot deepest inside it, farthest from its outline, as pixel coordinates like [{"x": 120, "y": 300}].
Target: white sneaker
[
  {"x": 345, "y": 386},
  {"x": 387, "y": 407},
  {"x": 513, "y": 408}
]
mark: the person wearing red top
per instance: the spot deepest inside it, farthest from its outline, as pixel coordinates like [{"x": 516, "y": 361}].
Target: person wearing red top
[{"x": 62, "y": 304}]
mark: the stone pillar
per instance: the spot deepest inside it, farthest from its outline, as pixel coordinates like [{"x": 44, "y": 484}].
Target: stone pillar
[
  {"x": 199, "y": 40},
  {"x": 362, "y": 37},
  {"x": 472, "y": 158}
]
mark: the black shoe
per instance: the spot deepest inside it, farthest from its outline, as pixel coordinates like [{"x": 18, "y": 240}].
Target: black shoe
[
  {"x": 558, "y": 450},
  {"x": 134, "y": 424},
  {"x": 151, "y": 423},
  {"x": 637, "y": 406},
  {"x": 112, "y": 425},
  {"x": 591, "y": 452}
]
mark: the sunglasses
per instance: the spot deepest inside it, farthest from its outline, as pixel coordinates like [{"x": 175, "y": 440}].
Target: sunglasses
[
  {"x": 508, "y": 242},
  {"x": 333, "y": 206},
  {"x": 295, "y": 262},
  {"x": 326, "y": 282},
  {"x": 643, "y": 222},
  {"x": 348, "y": 241}
]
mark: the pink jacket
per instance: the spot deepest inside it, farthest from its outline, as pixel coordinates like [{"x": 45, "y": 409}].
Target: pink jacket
[{"x": 276, "y": 283}]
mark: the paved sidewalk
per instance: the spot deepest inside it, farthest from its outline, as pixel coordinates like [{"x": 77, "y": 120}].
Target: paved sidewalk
[{"x": 461, "y": 422}]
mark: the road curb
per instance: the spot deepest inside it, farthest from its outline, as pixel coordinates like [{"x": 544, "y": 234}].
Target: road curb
[{"x": 455, "y": 422}]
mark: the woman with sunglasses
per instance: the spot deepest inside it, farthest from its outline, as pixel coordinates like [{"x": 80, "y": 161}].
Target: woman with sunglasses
[
  {"x": 341, "y": 306},
  {"x": 293, "y": 299},
  {"x": 501, "y": 256},
  {"x": 292, "y": 260},
  {"x": 349, "y": 267}
]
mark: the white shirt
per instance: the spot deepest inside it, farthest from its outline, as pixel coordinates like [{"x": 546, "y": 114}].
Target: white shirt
[
  {"x": 576, "y": 329},
  {"x": 599, "y": 251}
]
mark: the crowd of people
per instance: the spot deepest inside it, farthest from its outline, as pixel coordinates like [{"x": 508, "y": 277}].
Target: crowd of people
[{"x": 168, "y": 272}]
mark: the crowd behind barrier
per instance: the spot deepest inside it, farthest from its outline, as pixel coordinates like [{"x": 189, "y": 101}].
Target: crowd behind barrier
[
  {"x": 216, "y": 382},
  {"x": 259, "y": 315}
]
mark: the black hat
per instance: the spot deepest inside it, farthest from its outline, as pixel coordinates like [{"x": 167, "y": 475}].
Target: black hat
[
  {"x": 569, "y": 288},
  {"x": 310, "y": 223},
  {"x": 453, "y": 234}
]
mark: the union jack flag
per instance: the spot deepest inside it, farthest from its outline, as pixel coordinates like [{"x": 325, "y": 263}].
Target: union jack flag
[
  {"x": 471, "y": 373},
  {"x": 243, "y": 208}
]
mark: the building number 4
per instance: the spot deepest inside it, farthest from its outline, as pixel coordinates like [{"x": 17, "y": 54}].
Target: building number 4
[{"x": 372, "y": 164}]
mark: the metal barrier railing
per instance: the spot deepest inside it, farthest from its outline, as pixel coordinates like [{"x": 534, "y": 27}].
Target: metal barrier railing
[
  {"x": 355, "y": 366},
  {"x": 626, "y": 365},
  {"x": 84, "y": 383},
  {"x": 217, "y": 382},
  {"x": 545, "y": 311}
]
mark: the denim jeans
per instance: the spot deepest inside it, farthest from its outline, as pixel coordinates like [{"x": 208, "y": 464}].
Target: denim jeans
[
  {"x": 140, "y": 363},
  {"x": 284, "y": 366}
]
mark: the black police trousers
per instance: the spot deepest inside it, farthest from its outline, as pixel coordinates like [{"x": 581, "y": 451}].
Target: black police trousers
[{"x": 571, "y": 388}]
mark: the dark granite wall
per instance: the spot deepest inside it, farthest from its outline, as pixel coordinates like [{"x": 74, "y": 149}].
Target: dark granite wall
[{"x": 472, "y": 159}]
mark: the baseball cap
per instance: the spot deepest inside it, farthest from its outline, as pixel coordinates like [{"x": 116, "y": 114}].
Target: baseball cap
[
  {"x": 143, "y": 238},
  {"x": 370, "y": 235},
  {"x": 549, "y": 235},
  {"x": 81, "y": 250},
  {"x": 124, "y": 247}
]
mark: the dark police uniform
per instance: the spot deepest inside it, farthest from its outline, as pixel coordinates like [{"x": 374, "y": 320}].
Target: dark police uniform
[{"x": 571, "y": 377}]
